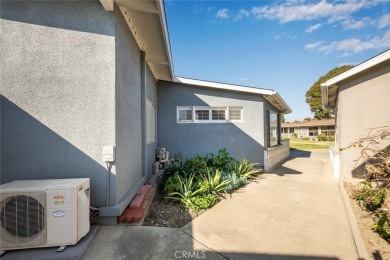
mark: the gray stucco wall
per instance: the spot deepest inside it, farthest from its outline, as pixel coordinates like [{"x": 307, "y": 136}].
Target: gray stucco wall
[
  {"x": 58, "y": 97},
  {"x": 151, "y": 93},
  {"x": 128, "y": 109},
  {"x": 241, "y": 139},
  {"x": 363, "y": 102}
]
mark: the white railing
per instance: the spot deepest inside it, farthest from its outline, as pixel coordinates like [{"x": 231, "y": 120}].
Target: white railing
[{"x": 274, "y": 155}]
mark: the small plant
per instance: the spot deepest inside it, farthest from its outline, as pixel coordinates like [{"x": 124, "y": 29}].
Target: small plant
[
  {"x": 331, "y": 138},
  {"x": 172, "y": 184},
  {"x": 178, "y": 157},
  {"x": 369, "y": 197},
  {"x": 294, "y": 135},
  {"x": 245, "y": 169},
  {"x": 187, "y": 189},
  {"x": 202, "y": 202},
  {"x": 235, "y": 182},
  {"x": 382, "y": 225},
  {"x": 213, "y": 182},
  {"x": 171, "y": 169}
]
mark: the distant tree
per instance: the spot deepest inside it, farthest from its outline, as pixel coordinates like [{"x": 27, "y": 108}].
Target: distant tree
[
  {"x": 313, "y": 95},
  {"x": 307, "y": 119},
  {"x": 282, "y": 119}
]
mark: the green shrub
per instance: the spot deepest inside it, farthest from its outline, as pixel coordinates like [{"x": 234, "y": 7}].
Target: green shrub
[
  {"x": 370, "y": 197},
  {"x": 172, "y": 184},
  {"x": 235, "y": 182},
  {"x": 213, "y": 182},
  {"x": 223, "y": 160},
  {"x": 322, "y": 137},
  {"x": 197, "y": 164},
  {"x": 170, "y": 169},
  {"x": 306, "y": 138},
  {"x": 245, "y": 169},
  {"x": 382, "y": 225},
  {"x": 200, "y": 202},
  {"x": 187, "y": 189},
  {"x": 294, "y": 135}
]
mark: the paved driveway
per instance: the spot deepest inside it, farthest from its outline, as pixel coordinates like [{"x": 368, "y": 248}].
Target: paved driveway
[{"x": 294, "y": 212}]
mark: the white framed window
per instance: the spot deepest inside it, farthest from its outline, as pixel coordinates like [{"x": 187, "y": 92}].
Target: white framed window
[
  {"x": 218, "y": 114},
  {"x": 235, "y": 114},
  {"x": 184, "y": 114},
  {"x": 188, "y": 114},
  {"x": 202, "y": 114},
  {"x": 151, "y": 121},
  {"x": 272, "y": 128}
]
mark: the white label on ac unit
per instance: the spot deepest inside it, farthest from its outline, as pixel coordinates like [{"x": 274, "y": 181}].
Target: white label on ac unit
[{"x": 58, "y": 213}]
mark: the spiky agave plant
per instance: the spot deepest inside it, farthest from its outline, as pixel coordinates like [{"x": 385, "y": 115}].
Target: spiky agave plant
[
  {"x": 245, "y": 169},
  {"x": 213, "y": 182},
  {"x": 187, "y": 189}
]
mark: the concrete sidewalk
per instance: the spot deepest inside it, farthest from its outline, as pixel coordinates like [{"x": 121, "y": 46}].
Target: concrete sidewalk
[{"x": 294, "y": 212}]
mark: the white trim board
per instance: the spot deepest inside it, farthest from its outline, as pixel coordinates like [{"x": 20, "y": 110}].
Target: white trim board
[{"x": 271, "y": 95}]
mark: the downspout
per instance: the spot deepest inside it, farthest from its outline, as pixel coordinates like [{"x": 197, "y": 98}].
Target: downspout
[{"x": 143, "y": 111}]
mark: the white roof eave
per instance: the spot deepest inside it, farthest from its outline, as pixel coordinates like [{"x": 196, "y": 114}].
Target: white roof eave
[
  {"x": 359, "y": 68},
  {"x": 326, "y": 95},
  {"x": 266, "y": 92}
]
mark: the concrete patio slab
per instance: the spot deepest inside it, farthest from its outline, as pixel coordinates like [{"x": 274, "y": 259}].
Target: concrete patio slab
[
  {"x": 74, "y": 252},
  {"x": 296, "y": 211},
  {"x": 140, "y": 242}
]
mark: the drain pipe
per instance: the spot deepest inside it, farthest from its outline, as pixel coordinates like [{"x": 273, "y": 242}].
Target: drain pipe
[{"x": 143, "y": 111}]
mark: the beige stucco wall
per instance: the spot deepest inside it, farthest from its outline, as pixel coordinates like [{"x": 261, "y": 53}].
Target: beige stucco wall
[{"x": 363, "y": 102}]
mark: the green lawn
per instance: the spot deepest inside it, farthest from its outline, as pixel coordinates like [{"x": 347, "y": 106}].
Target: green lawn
[{"x": 307, "y": 145}]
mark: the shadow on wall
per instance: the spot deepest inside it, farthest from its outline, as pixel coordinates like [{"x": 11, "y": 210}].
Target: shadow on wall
[
  {"x": 359, "y": 170},
  {"x": 30, "y": 150},
  {"x": 191, "y": 139},
  {"x": 69, "y": 15}
]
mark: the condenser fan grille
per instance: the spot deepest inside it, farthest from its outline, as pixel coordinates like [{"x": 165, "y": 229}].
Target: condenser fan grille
[{"x": 22, "y": 216}]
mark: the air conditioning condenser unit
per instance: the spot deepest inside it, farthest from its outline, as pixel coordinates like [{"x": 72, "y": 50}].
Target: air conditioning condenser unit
[{"x": 43, "y": 213}]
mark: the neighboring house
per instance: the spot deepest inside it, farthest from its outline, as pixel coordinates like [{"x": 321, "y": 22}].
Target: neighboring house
[
  {"x": 76, "y": 77},
  {"x": 360, "y": 98},
  {"x": 309, "y": 129}
]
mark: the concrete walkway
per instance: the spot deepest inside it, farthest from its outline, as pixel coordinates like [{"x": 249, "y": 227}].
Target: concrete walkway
[{"x": 295, "y": 212}]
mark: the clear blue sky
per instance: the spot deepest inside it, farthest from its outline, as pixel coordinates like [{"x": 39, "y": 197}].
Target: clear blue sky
[{"x": 281, "y": 45}]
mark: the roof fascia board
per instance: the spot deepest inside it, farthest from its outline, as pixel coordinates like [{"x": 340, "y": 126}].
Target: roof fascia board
[
  {"x": 161, "y": 8},
  {"x": 224, "y": 86},
  {"x": 269, "y": 94},
  {"x": 283, "y": 103},
  {"x": 108, "y": 5},
  {"x": 145, "y": 6}
]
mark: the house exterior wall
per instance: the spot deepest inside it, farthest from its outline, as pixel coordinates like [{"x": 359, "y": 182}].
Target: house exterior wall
[
  {"x": 362, "y": 103},
  {"x": 58, "y": 91},
  {"x": 71, "y": 85},
  {"x": 128, "y": 110},
  {"x": 151, "y": 94},
  {"x": 244, "y": 139}
]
